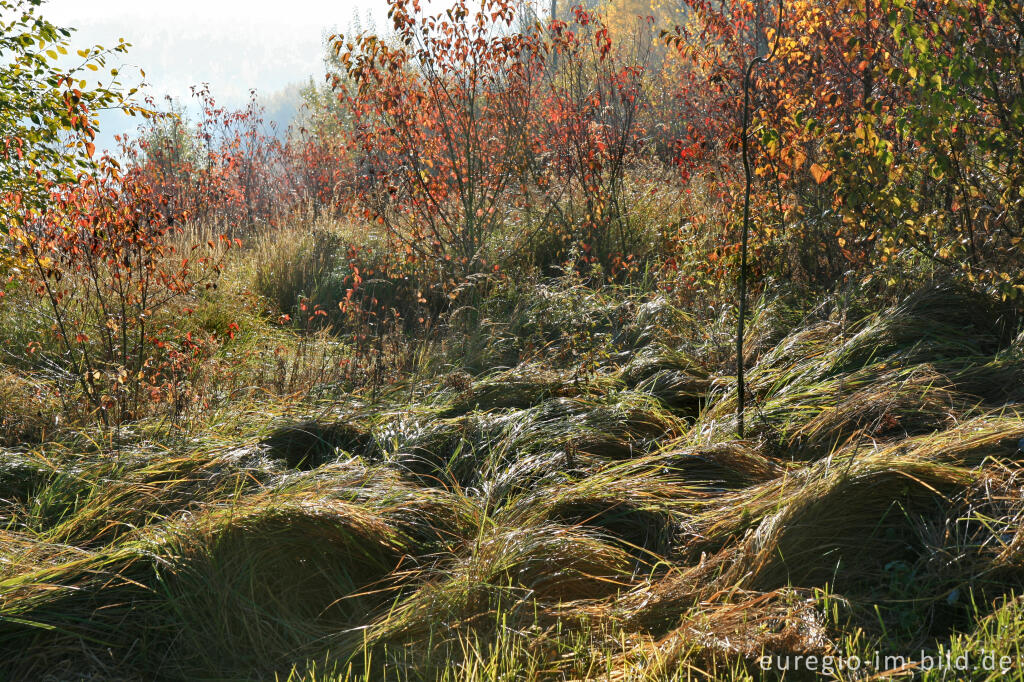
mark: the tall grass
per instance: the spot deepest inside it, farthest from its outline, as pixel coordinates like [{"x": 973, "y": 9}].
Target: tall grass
[{"x": 548, "y": 488}]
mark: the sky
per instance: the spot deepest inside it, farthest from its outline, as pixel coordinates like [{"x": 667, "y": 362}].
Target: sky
[{"x": 234, "y": 45}]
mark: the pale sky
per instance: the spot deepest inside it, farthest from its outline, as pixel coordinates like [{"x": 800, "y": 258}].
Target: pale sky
[{"x": 232, "y": 44}]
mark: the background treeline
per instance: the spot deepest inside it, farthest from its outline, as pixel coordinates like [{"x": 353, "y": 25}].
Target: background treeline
[{"x": 488, "y": 142}]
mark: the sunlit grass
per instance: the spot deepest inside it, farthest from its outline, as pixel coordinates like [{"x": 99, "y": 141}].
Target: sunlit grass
[{"x": 551, "y": 489}]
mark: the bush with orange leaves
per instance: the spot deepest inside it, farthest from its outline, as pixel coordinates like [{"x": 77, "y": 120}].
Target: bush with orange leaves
[{"x": 110, "y": 275}]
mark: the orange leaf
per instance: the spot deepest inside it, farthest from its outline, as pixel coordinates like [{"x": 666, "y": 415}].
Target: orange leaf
[
  {"x": 795, "y": 157},
  {"x": 820, "y": 173}
]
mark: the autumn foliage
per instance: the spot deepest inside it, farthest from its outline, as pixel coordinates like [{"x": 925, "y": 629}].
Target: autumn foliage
[
  {"x": 484, "y": 140},
  {"x": 882, "y": 129},
  {"x": 106, "y": 267}
]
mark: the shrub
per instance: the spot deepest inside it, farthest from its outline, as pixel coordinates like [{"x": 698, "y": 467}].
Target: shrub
[{"x": 105, "y": 270}]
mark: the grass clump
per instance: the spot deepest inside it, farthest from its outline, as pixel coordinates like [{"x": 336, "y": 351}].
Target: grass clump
[{"x": 566, "y": 501}]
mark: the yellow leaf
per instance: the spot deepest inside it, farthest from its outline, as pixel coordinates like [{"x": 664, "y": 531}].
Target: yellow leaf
[
  {"x": 796, "y": 157},
  {"x": 820, "y": 173}
]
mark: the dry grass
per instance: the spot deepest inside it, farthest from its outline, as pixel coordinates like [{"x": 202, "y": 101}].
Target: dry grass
[{"x": 536, "y": 520}]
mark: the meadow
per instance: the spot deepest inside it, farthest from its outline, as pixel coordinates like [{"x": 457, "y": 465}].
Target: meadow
[{"x": 443, "y": 384}]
